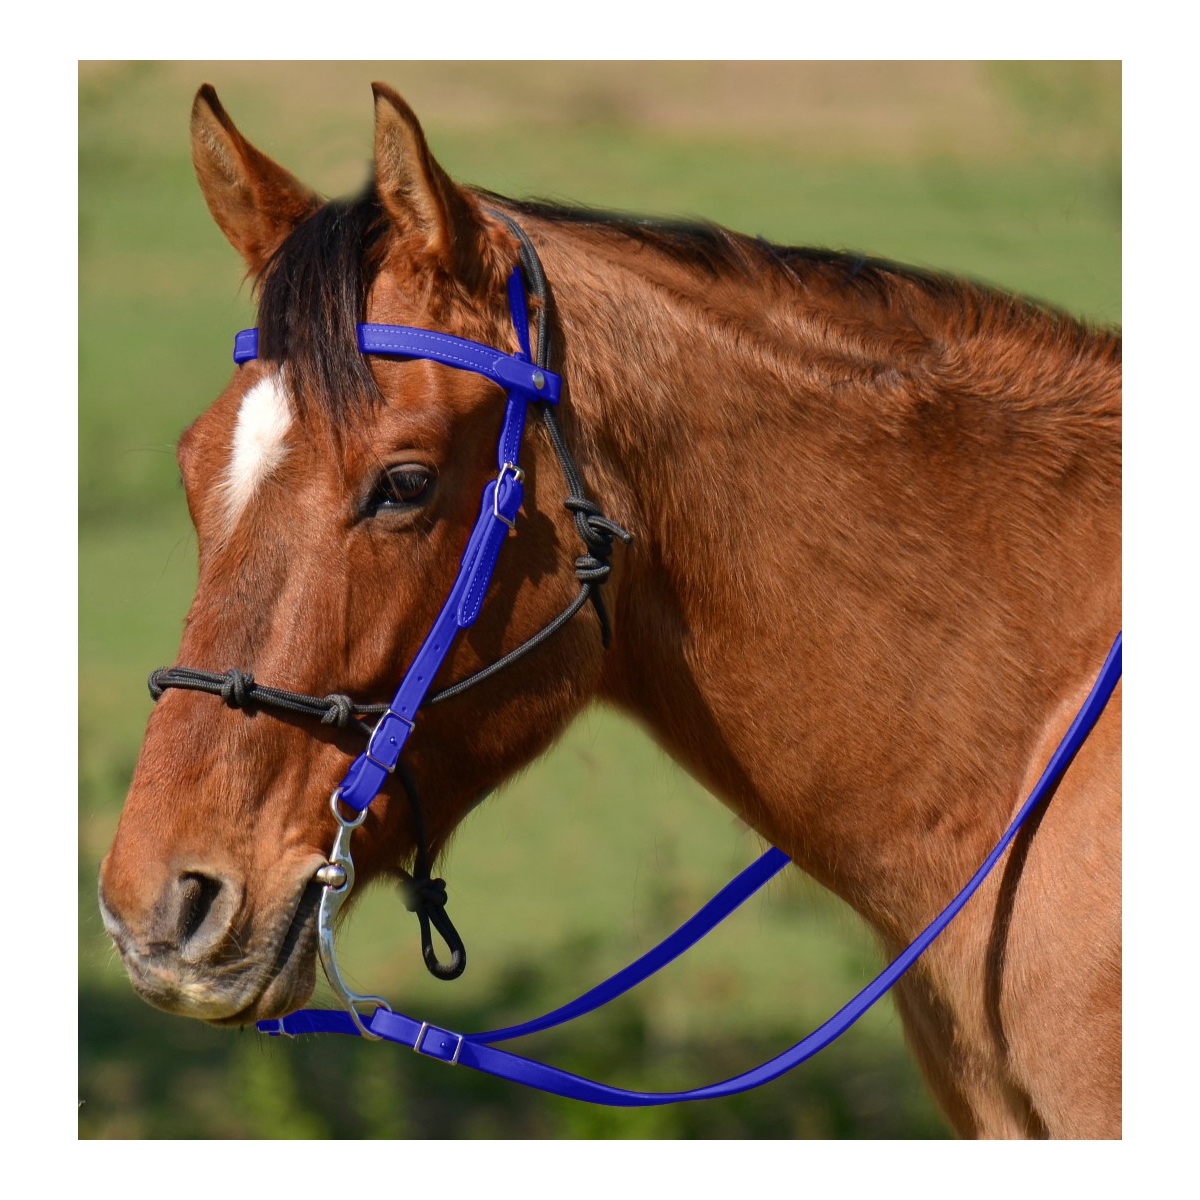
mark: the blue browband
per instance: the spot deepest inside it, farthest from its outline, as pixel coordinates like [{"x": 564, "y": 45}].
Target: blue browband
[
  {"x": 525, "y": 383},
  {"x": 513, "y": 372}
]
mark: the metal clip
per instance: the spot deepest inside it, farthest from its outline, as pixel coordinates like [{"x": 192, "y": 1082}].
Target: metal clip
[{"x": 332, "y": 899}]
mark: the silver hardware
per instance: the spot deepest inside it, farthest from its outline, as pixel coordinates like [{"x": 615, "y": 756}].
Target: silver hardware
[
  {"x": 452, "y": 1062},
  {"x": 539, "y": 380},
  {"x": 519, "y": 476},
  {"x": 331, "y": 875},
  {"x": 342, "y": 821},
  {"x": 333, "y": 896},
  {"x": 372, "y": 758},
  {"x": 371, "y": 739}
]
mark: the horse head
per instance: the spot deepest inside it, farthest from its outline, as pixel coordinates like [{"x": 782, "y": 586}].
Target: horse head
[{"x": 333, "y": 495}]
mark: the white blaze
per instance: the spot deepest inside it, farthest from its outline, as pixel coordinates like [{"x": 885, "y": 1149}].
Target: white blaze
[{"x": 258, "y": 443}]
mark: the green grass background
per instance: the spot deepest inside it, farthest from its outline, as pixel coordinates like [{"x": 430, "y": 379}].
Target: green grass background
[{"x": 1008, "y": 172}]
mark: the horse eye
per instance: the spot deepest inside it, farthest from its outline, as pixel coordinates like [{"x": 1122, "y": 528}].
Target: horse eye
[{"x": 400, "y": 487}]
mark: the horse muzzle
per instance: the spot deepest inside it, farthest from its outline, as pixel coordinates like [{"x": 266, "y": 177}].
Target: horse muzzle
[{"x": 191, "y": 948}]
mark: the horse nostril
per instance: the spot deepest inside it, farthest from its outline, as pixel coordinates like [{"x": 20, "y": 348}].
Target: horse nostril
[{"x": 198, "y": 896}]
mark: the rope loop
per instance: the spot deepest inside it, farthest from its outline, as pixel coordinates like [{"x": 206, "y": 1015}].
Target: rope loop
[
  {"x": 590, "y": 569},
  {"x": 581, "y": 504},
  {"x": 235, "y": 691},
  {"x": 155, "y": 683},
  {"x": 427, "y": 898},
  {"x": 340, "y": 711}
]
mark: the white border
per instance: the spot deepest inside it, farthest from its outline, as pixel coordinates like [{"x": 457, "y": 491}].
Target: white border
[{"x": 1160, "y": 548}]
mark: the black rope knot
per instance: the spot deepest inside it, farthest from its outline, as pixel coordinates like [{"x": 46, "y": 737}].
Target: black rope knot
[
  {"x": 155, "y": 683},
  {"x": 592, "y": 569},
  {"x": 421, "y": 895},
  {"x": 597, "y": 533},
  {"x": 340, "y": 711},
  {"x": 235, "y": 691}
]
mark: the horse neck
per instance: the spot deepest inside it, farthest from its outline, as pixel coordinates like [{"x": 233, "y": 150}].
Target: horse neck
[{"x": 873, "y": 553}]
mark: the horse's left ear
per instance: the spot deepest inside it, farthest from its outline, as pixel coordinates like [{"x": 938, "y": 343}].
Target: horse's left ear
[
  {"x": 425, "y": 205},
  {"x": 253, "y": 199}
]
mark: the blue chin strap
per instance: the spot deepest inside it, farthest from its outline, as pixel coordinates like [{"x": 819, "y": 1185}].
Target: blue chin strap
[{"x": 526, "y": 382}]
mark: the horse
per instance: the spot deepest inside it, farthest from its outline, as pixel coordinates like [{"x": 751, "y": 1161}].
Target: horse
[{"x": 874, "y": 563}]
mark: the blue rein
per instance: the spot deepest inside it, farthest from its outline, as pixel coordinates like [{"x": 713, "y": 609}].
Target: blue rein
[
  {"x": 474, "y": 1050},
  {"x": 525, "y": 382}
]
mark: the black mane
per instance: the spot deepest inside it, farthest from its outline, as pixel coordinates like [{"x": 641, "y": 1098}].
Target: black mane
[
  {"x": 718, "y": 251},
  {"x": 314, "y": 289}
]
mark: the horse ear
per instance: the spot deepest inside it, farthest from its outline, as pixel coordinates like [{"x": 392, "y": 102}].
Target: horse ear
[
  {"x": 253, "y": 199},
  {"x": 425, "y": 205}
]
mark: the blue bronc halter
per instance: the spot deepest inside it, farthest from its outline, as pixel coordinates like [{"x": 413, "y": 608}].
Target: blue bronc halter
[{"x": 528, "y": 380}]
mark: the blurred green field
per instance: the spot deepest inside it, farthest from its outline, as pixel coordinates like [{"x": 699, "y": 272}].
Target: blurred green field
[{"x": 1007, "y": 172}]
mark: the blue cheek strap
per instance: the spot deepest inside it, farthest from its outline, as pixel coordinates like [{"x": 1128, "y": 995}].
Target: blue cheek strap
[{"x": 526, "y": 383}]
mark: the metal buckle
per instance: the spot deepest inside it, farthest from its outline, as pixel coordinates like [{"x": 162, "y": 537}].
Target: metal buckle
[
  {"x": 389, "y": 713},
  {"x": 450, "y": 1062},
  {"x": 519, "y": 476},
  {"x": 280, "y": 1032}
]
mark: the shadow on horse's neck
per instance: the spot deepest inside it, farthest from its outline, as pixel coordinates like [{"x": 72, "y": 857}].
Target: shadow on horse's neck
[{"x": 878, "y": 541}]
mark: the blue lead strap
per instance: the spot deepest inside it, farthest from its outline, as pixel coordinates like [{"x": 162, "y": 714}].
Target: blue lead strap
[
  {"x": 730, "y": 897},
  {"x": 472, "y": 1050}
]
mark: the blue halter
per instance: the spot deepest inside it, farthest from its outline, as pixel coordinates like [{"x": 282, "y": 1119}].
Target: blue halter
[{"x": 525, "y": 382}]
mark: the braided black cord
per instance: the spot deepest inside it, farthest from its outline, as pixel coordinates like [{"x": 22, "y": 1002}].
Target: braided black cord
[
  {"x": 238, "y": 690},
  {"x": 595, "y": 530},
  {"x": 512, "y": 656}
]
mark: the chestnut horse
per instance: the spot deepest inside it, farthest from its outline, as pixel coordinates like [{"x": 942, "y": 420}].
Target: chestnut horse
[{"x": 876, "y": 566}]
